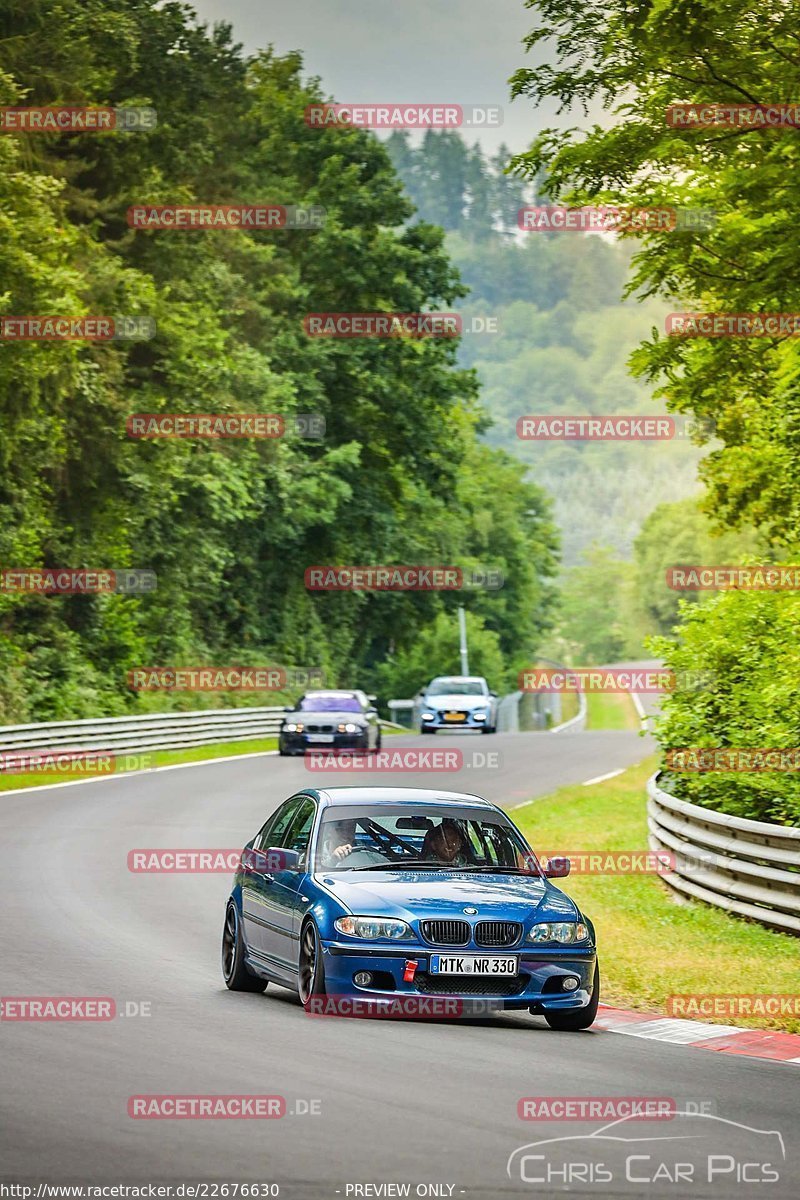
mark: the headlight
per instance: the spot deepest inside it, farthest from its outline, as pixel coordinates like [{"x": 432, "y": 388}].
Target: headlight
[
  {"x": 428, "y": 716},
  {"x": 562, "y": 931},
  {"x": 479, "y": 716},
  {"x": 292, "y": 728},
  {"x": 373, "y": 928},
  {"x": 350, "y": 727}
]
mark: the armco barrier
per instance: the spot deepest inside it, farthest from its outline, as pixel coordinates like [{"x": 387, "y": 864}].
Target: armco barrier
[
  {"x": 750, "y": 868},
  {"x": 156, "y": 731}
]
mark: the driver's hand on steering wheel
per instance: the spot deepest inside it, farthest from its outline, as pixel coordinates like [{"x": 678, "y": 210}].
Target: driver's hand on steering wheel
[{"x": 342, "y": 851}]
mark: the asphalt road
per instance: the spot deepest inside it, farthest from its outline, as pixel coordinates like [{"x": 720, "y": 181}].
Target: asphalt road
[{"x": 399, "y": 1102}]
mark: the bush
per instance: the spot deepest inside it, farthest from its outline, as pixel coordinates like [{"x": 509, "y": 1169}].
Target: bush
[{"x": 748, "y": 643}]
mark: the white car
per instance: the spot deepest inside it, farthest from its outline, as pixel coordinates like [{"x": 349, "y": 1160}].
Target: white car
[{"x": 457, "y": 702}]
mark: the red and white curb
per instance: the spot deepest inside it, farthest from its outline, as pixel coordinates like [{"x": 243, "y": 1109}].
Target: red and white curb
[{"x": 730, "y": 1039}]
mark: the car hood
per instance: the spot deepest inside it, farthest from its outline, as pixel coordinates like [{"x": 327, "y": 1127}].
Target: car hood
[
  {"x": 455, "y": 701},
  {"x": 411, "y": 895},
  {"x": 325, "y": 718}
]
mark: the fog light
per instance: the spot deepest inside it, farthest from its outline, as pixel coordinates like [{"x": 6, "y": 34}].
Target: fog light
[
  {"x": 569, "y": 983},
  {"x": 362, "y": 978}
]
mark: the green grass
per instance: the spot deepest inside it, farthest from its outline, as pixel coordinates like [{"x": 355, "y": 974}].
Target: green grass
[
  {"x": 610, "y": 710},
  {"x": 570, "y": 706},
  {"x": 147, "y": 759},
  {"x": 653, "y": 945}
]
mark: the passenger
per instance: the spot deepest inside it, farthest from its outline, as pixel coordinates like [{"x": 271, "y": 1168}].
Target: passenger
[{"x": 446, "y": 844}]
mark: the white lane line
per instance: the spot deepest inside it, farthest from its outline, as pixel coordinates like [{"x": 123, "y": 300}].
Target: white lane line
[
  {"x": 603, "y": 778},
  {"x": 201, "y": 762}
]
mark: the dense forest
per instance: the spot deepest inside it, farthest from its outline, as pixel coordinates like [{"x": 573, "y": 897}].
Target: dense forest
[
  {"x": 746, "y": 642},
  {"x": 229, "y": 527}
]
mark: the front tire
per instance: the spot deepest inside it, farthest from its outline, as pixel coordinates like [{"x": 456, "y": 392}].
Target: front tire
[
  {"x": 577, "y": 1018},
  {"x": 235, "y": 972},
  {"x": 311, "y": 969}
]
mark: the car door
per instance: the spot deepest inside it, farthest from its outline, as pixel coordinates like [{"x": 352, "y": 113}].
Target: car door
[
  {"x": 284, "y": 900},
  {"x": 257, "y": 883}
]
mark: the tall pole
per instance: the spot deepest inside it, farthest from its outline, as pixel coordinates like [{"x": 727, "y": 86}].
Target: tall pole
[{"x": 462, "y": 631}]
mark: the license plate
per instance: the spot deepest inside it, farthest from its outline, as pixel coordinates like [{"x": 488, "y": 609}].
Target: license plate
[
  {"x": 473, "y": 964},
  {"x": 454, "y": 716},
  {"x": 320, "y": 737}
]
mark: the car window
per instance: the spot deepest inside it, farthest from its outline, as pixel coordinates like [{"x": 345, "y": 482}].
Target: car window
[
  {"x": 329, "y": 702},
  {"x": 299, "y": 832},
  {"x": 277, "y": 825}
]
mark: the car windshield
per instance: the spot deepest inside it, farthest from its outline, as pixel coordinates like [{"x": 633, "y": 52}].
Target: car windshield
[
  {"x": 457, "y": 687},
  {"x": 420, "y": 837},
  {"x": 329, "y": 702}
]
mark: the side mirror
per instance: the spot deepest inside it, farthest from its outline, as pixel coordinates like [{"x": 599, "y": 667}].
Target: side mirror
[
  {"x": 289, "y": 708},
  {"x": 280, "y": 859},
  {"x": 557, "y": 867},
  {"x": 372, "y": 698},
  {"x": 264, "y": 862}
]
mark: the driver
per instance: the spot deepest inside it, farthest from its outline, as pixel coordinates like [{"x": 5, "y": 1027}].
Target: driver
[
  {"x": 338, "y": 840},
  {"x": 447, "y": 844}
]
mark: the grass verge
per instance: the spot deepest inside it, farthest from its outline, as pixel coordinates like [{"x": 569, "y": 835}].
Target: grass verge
[
  {"x": 141, "y": 761},
  {"x": 610, "y": 710},
  {"x": 652, "y": 945}
]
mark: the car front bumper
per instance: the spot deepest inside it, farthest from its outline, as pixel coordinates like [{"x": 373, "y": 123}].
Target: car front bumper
[
  {"x": 299, "y": 743},
  {"x": 537, "y": 984},
  {"x": 469, "y": 721}
]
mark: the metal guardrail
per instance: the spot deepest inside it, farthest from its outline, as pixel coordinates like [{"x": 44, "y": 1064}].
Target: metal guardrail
[
  {"x": 155, "y": 731},
  {"x": 750, "y": 868}
]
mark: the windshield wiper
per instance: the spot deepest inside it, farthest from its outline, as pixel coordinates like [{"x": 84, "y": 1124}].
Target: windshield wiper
[{"x": 401, "y": 864}]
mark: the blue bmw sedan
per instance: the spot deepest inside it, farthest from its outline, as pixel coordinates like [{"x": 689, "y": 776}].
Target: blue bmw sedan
[{"x": 393, "y": 893}]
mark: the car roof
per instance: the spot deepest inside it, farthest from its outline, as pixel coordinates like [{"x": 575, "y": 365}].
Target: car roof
[
  {"x": 461, "y": 678},
  {"x": 396, "y": 795}
]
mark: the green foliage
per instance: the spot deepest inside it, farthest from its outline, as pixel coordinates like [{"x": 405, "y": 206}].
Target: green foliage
[
  {"x": 564, "y": 337},
  {"x": 597, "y": 615},
  {"x": 676, "y": 534},
  {"x": 686, "y": 52},
  {"x": 230, "y": 526},
  {"x": 436, "y": 653},
  {"x": 743, "y": 651},
  {"x": 636, "y": 61}
]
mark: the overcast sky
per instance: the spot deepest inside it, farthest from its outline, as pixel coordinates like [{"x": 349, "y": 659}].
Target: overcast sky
[{"x": 459, "y": 51}]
